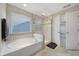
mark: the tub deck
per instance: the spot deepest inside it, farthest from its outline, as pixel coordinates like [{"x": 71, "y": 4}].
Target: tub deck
[{"x": 23, "y": 46}]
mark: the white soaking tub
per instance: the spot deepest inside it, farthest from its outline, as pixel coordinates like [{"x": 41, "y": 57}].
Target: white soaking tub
[{"x": 22, "y": 47}]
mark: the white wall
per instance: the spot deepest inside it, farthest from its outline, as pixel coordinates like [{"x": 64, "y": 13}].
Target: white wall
[
  {"x": 47, "y": 30},
  {"x": 2, "y": 15},
  {"x": 55, "y": 25},
  {"x": 2, "y": 10}
]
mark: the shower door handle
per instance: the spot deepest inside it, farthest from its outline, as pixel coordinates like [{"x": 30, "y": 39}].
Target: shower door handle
[
  {"x": 59, "y": 32},
  {"x": 65, "y": 33}
]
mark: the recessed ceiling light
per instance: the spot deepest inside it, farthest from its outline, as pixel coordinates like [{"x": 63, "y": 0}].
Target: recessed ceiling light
[{"x": 24, "y": 5}]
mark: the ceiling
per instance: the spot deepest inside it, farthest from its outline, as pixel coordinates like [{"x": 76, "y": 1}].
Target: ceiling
[{"x": 40, "y": 9}]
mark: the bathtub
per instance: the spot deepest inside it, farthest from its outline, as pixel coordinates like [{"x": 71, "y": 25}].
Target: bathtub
[{"x": 22, "y": 47}]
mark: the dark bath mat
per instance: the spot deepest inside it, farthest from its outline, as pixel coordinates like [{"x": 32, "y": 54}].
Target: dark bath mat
[{"x": 52, "y": 45}]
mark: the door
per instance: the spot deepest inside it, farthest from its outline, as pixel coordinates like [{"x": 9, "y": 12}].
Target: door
[
  {"x": 63, "y": 31},
  {"x": 71, "y": 39},
  {"x": 77, "y": 15},
  {"x": 59, "y": 30}
]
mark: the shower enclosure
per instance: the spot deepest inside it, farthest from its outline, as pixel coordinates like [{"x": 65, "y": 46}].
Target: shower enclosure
[
  {"x": 59, "y": 30},
  {"x": 66, "y": 30},
  {"x": 62, "y": 31}
]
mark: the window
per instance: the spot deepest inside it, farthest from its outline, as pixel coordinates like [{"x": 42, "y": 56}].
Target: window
[{"x": 20, "y": 23}]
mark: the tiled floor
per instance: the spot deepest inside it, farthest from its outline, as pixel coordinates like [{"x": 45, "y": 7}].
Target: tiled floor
[{"x": 57, "y": 52}]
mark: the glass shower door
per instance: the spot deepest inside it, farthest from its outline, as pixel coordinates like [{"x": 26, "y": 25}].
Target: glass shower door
[
  {"x": 78, "y": 30},
  {"x": 62, "y": 31}
]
